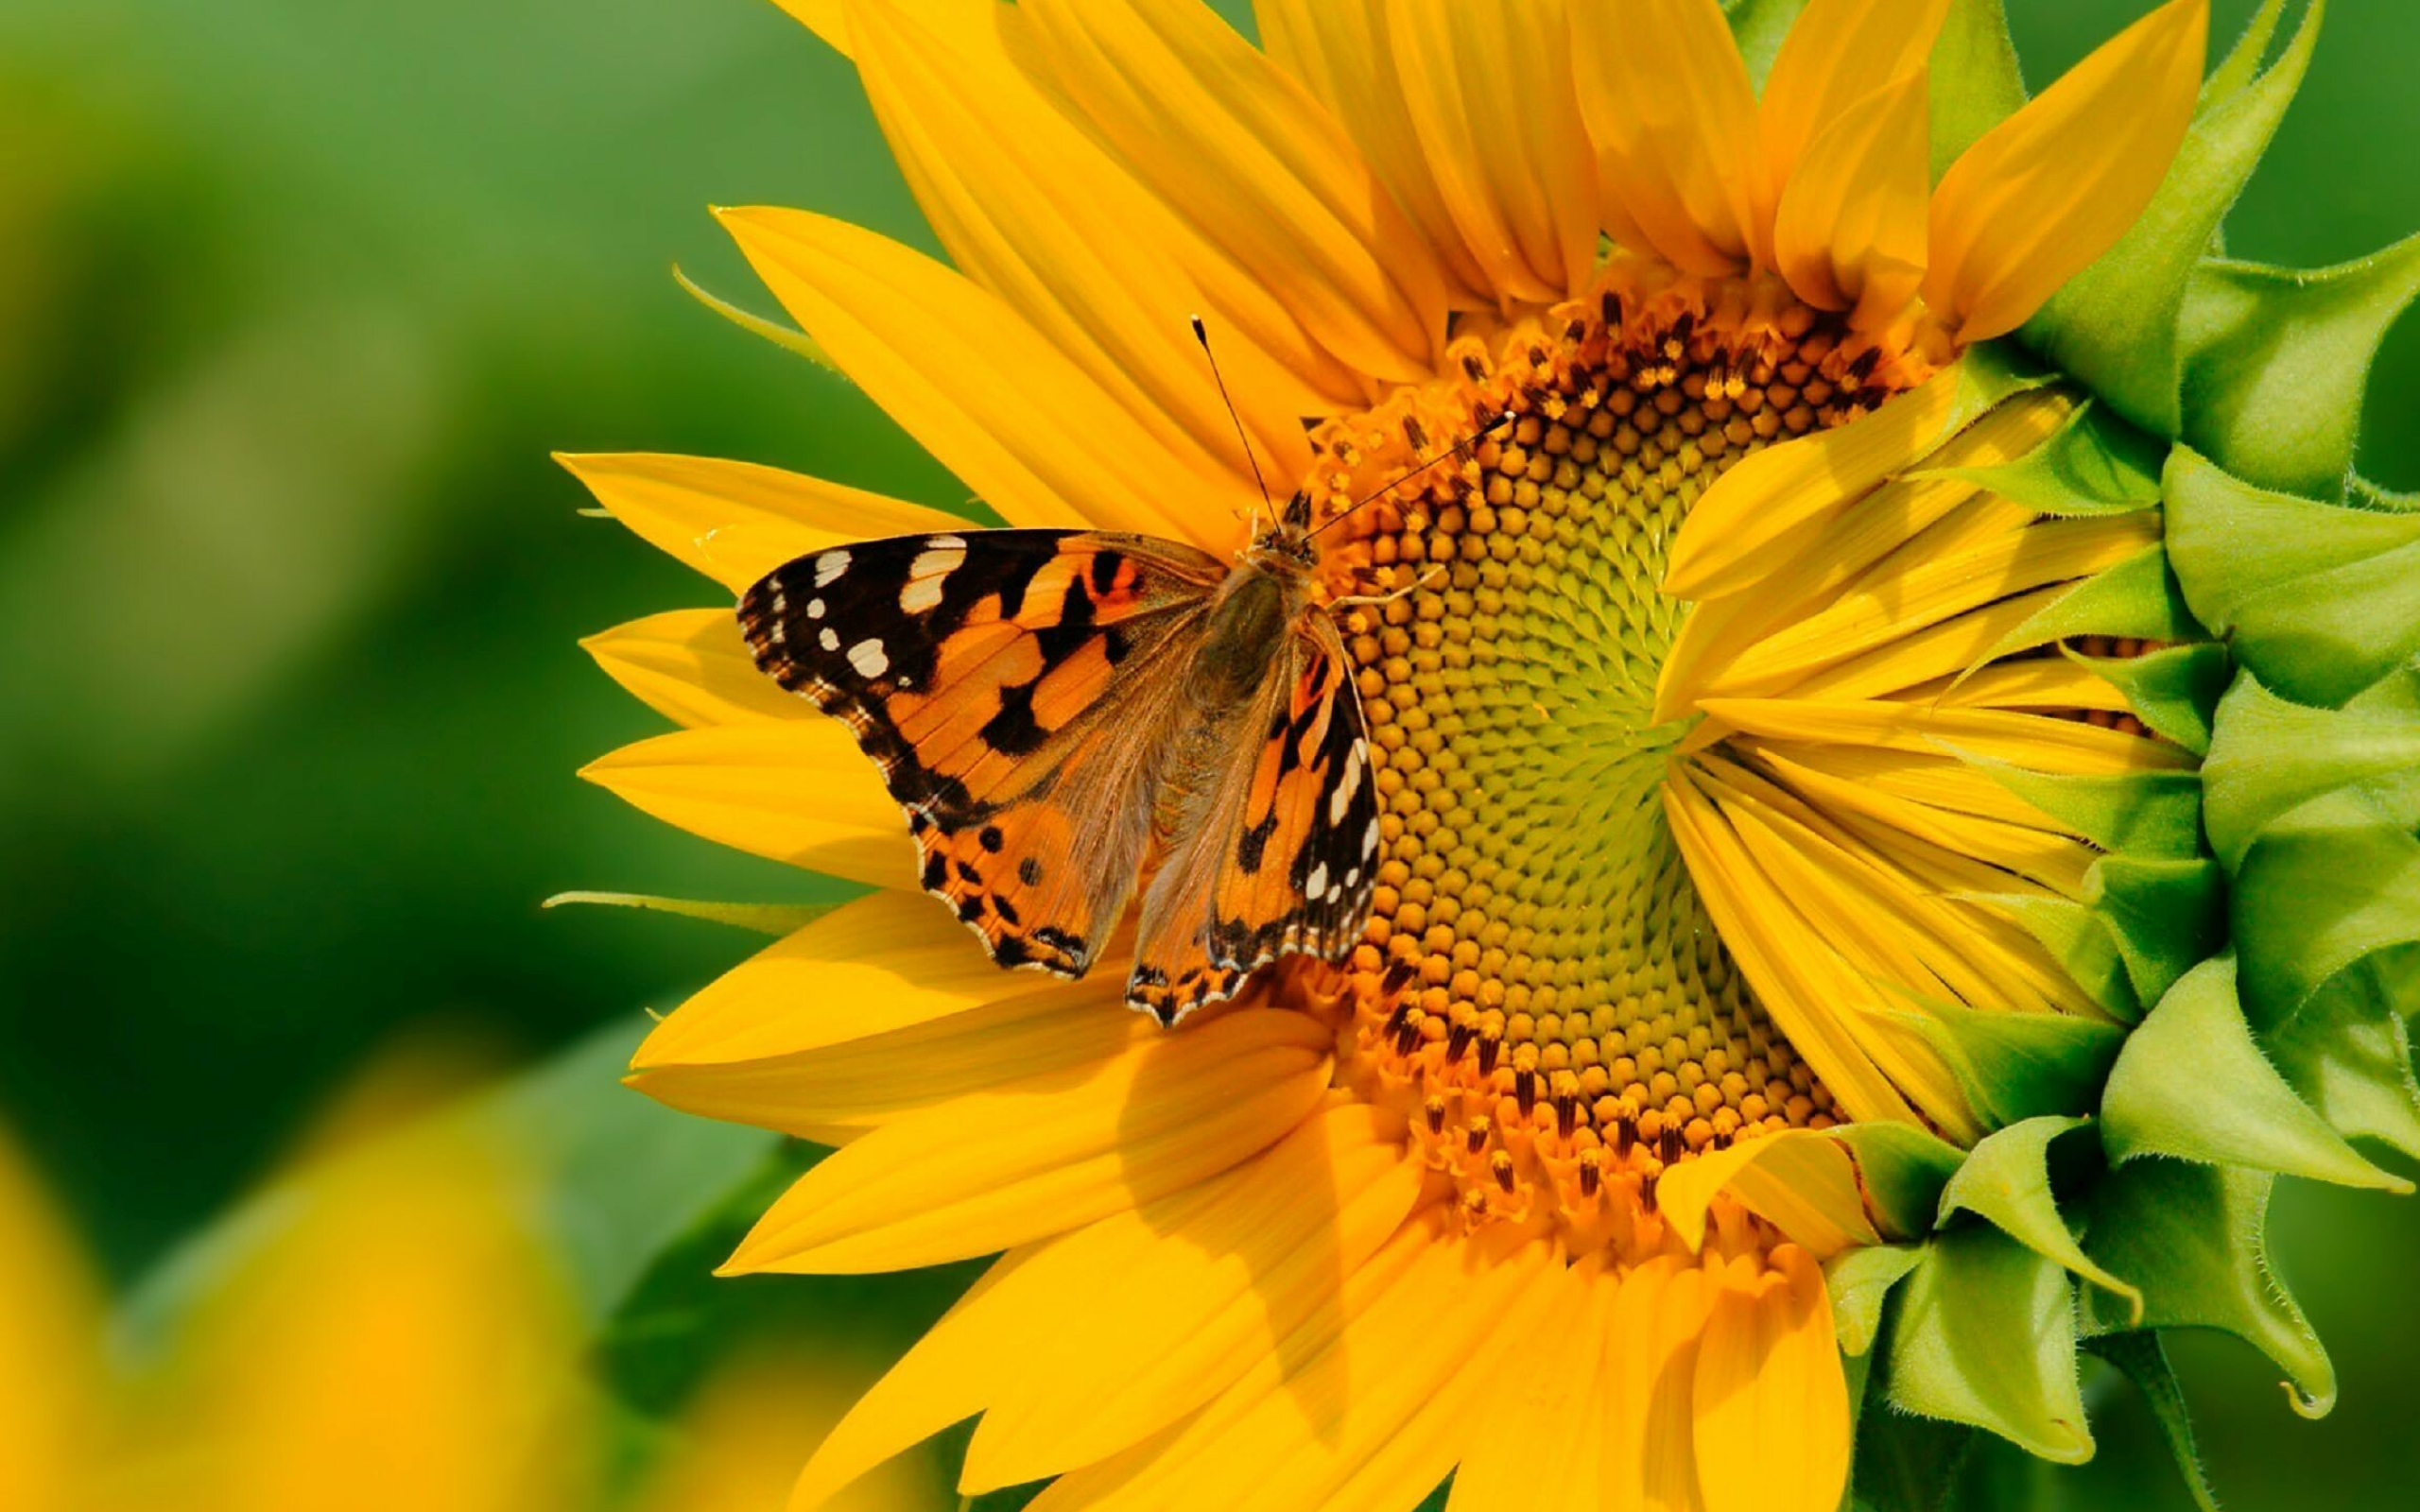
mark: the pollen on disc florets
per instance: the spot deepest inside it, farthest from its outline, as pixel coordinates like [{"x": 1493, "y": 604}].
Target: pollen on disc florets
[{"x": 1538, "y": 987}]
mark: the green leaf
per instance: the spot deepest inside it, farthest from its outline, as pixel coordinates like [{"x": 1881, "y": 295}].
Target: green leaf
[
  {"x": 2174, "y": 690},
  {"x": 2137, "y": 599},
  {"x": 2006, "y": 1182},
  {"x": 2277, "y": 361},
  {"x": 1759, "y": 27},
  {"x": 2191, "y": 1237},
  {"x": 2140, "y": 1357},
  {"x": 1985, "y": 1335},
  {"x": 2321, "y": 599},
  {"x": 762, "y": 919},
  {"x": 2016, "y": 1066},
  {"x": 1858, "y": 1281},
  {"x": 1902, "y": 1170},
  {"x": 2115, "y": 324},
  {"x": 2165, "y": 915},
  {"x": 2081, "y": 941},
  {"x": 2347, "y": 1052},
  {"x": 2271, "y": 755},
  {"x": 2190, "y": 1083},
  {"x": 2095, "y": 464},
  {"x": 1976, "y": 84}
]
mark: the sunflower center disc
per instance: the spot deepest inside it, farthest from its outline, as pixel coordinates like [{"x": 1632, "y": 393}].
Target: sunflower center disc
[{"x": 1538, "y": 983}]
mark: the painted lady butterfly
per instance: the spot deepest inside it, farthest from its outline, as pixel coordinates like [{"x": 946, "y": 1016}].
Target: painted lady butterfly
[{"x": 1055, "y": 709}]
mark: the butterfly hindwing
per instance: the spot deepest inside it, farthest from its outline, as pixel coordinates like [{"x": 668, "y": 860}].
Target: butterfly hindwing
[
  {"x": 1013, "y": 686},
  {"x": 1286, "y": 857}
]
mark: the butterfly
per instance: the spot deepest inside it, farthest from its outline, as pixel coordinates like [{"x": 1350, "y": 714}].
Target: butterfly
[{"x": 1058, "y": 710}]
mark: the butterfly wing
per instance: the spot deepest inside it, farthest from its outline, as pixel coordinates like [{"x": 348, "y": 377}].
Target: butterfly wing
[
  {"x": 1014, "y": 687},
  {"x": 1285, "y": 855}
]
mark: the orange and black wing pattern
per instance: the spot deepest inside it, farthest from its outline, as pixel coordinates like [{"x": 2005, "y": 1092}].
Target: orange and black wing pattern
[
  {"x": 1015, "y": 688},
  {"x": 1289, "y": 856}
]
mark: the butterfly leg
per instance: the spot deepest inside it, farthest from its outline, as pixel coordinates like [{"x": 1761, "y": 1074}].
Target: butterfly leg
[{"x": 1414, "y": 586}]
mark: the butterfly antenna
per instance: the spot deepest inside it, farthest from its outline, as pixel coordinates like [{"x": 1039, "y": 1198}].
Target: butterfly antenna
[
  {"x": 1201, "y": 334},
  {"x": 1503, "y": 417}
]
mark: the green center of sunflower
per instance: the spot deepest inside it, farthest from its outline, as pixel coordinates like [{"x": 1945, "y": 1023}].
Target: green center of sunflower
[{"x": 1538, "y": 983}]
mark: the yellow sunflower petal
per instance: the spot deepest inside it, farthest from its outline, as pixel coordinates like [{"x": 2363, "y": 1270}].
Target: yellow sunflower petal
[
  {"x": 983, "y": 1173},
  {"x": 1527, "y": 1449},
  {"x": 1673, "y": 118},
  {"x": 1771, "y": 1401},
  {"x": 1659, "y": 1310},
  {"x": 2046, "y": 191},
  {"x": 735, "y": 521},
  {"x": 691, "y": 666},
  {"x": 827, "y": 19},
  {"x": 883, "y": 963},
  {"x": 1027, "y": 1041},
  {"x": 1497, "y": 111},
  {"x": 1248, "y": 157},
  {"x": 1253, "y": 1255},
  {"x": 1035, "y": 211},
  {"x": 1800, "y": 1180},
  {"x": 798, "y": 791},
  {"x": 979, "y": 388},
  {"x": 1343, "y": 53},
  {"x": 1849, "y": 231},
  {"x": 1838, "y": 53},
  {"x": 50, "y": 1353}
]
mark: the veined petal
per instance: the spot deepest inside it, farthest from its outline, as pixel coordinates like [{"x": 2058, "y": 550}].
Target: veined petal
[
  {"x": 1849, "y": 233},
  {"x": 1673, "y": 117},
  {"x": 1801, "y": 1181},
  {"x": 1528, "y": 1450},
  {"x": 983, "y": 1173},
  {"x": 1838, "y": 53},
  {"x": 1658, "y": 1314},
  {"x": 1495, "y": 108},
  {"x": 1771, "y": 1399},
  {"x": 735, "y": 521},
  {"x": 980, "y": 389},
  {"x": 1343, "y": 52},
  {"x": 1237, "y": 1269},
  {"x": 691, "y": 666},
  {"x": 1035, "y": 211},
  {"x": 869, "y": 968},
  {"x": 798, "y": 791},
  {"x": 1248, "y": 157},
  {"x": 2049, "y": 189}
]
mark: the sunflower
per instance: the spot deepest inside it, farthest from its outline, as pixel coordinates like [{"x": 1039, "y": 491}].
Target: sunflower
[{"x": 1827, "y": 741}]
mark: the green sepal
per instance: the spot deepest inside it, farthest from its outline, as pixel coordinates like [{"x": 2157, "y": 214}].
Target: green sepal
[
  {"x": 2174, "y": 690},
  {"x": 777, "y": 919},
  {"x": 2242, "y": 64},
  {"x": 1905, "y": 1463},
  {"x": 1975, "y": 83},
  {"x": 1758, "y": 26},
  {"x": 2165, "y": 915},
  {"x": 2331, "y": 884},
  {"x": 787, "y": 338},
  {"x": 2095, "y": 464},
  {"x": 1858, "y": 1281},
  {"x": 2271, "y": 755},
  {"x": 2277, "y": 360},
  {"x": 2137, "y": 599},
  {"x": 2017, "y": 1066},
  {"x": 1985, "y": 1334},
  {"x": 2191, "y": 1238},
  {"x": 2321, "y": 600},
  {"x": 1901, "y": 1169},
  {"x": 2083, "y": 945},
  {"x": 2148, "y": 813},
  {"x": 2141, "y": 1358},
  {"x": 2192, "y": 1084},
  {"x": 2006, "y": 1182},
  {"x": 2115, "y": 325},
  {"x": 2348, "y": 1053}
]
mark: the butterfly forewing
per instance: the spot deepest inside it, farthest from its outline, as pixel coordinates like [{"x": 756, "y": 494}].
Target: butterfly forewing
[{"x": 1014, "y": 687}]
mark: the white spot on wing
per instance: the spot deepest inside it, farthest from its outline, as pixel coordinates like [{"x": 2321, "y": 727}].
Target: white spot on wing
[
  {"x": 928, "y": 572},
  {"x": 815, "y": 609},
  {"x": 830, "y": 565},
  {"x": 1315, "y": 888},
  {"x": 868, "y": 657},
  {"x": 1348, "y": 785},
  {"x": 1370, "y": 839},
  {"x": 947, "y": 542},
  {"x": 829, "y": 638}
]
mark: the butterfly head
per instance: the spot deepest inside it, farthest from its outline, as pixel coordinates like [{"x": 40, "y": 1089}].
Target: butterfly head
[{"x": 1287, "y": 542}]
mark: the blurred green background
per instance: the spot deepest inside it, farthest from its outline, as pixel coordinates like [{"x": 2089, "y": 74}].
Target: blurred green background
[{"x": 295, "y": 299}]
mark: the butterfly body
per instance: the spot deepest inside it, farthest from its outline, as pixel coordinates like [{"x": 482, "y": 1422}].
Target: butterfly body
[{"x": 1063, "y": 713}]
